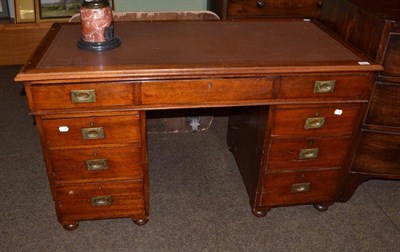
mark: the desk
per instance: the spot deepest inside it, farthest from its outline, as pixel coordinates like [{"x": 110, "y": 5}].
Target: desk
[{"x": 298, "y": 96}]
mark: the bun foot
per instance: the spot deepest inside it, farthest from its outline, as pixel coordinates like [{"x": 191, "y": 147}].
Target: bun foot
[
  {"x": 140, "y": 222},
  {"x": 71, "y": 227},
  {"x": 320, "y": 207},
  {"x": 259, "y": 214}
]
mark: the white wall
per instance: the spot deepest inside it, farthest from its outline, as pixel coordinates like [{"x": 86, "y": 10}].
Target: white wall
[{"x": 11, "y": 6}]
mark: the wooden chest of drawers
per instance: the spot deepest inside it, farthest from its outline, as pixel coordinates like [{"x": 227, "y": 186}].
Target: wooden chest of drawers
[
  {"x": 267, "y": 8},
  {"x": 293, "y": 109},
  {"x": 374, "y": 27}
]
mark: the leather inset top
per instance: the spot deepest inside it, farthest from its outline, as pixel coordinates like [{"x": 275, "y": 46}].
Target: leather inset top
[{"x": 212, "y": 43}]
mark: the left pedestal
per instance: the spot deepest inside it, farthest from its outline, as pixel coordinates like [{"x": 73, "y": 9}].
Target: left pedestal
[{"x": 96, "y": 157}]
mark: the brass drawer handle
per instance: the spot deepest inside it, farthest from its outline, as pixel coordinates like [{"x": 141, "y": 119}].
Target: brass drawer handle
[
  {"x": 308, "y": 153},
  {"x": 302, "y": 187},
  {"x": 92, "y": 133},
  {"x": 96, "y": 164},
  {"x": 101, "y": 201},
  {"x": 81, "y": 96},
  {"x": 323, "y": 87},
  {"x": 314, "y": 123}
]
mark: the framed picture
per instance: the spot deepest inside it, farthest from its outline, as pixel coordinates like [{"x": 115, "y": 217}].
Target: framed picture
[
  {"x": 24, "y": 11},
  {"x": 57, "y": 10},
  {"x": 4, "y": 10}
]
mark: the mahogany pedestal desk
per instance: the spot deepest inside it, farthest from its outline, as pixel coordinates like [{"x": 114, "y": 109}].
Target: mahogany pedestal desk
[{"x": 298, "y": 96}]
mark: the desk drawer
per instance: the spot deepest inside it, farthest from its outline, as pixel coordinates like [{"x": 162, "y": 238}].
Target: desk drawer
[
  {"x": 299, "y": 187},
  {"x": 85, "y": 131},
  {"x": 335, "y": 120},
  {"x": 96, "y": 164},
  {"x": 206, "y": 91},
  {"x": 100, "y": 200},
  {"x": 69, "y": 96},
  {"x": 295, "y": 154},
  {"x": 326, "y": 86}
]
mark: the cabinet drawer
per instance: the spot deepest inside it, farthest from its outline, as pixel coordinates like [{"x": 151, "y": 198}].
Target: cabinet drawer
[
  {"x": 378, "y": 153},
  {"x": 274, "y": 8},
  {"x": 100, "y": 200},
  {"x": 326, "y": 86},
  {"x": 334, "y": 120},
  {"x": 391, "y": 62},
  {"x": 206, "y": 91},
  {"x": 299, "y": 187},
  {"x": 385, "y": 105},
  {"x": 69, "y": 96},
  {"x": 92, "y": 131},
  {"x": 289, "y": 154},
  {"x": 97, "y": 164}
]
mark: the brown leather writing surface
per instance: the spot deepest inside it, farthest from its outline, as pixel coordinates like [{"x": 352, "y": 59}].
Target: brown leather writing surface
[{"x": 214, "y": 43}]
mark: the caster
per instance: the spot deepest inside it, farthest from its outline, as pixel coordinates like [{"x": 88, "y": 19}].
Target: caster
[{"x": 194, "y": 122}]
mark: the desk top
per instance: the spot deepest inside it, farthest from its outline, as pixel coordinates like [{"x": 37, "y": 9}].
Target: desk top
[{"x": 202, "y": 48}]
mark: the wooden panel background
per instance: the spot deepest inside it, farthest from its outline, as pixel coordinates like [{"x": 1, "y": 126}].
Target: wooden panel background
[{"x": 19, "y": 41}]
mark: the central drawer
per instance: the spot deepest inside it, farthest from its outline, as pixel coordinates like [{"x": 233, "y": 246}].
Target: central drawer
[
  {"x": 96, "y": 164},
  {"x": 206, "y": 91},
  {"x": 88, "y": 131}
]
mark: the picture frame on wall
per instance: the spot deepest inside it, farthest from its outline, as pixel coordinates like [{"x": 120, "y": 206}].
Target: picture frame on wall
[
  {"x": 4, "y": 10},
  {"x": 24, "y": 11},
  {"x": 57, "y": 10}
]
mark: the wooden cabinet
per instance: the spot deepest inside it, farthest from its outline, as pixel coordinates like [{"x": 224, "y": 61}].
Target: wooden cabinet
[
  {"x": 291, "y": 109},
  {"x": 374, "y": 27},
  {"x": 267, "y": 8},
  {"x": 19, "y": 41},
  {"x": 303, "y": 154}
]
